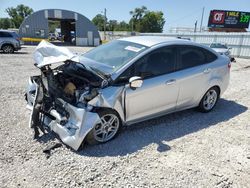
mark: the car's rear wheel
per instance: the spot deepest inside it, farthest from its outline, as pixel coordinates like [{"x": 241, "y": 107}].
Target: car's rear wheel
[
  {"x": 209, "y": 100},
  {"x": 106, "y": 129},
  {"x": 7, "y": 48}
]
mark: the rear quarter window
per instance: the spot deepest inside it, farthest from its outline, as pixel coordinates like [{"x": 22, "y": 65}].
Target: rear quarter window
[{"x": 210, "y": 57}]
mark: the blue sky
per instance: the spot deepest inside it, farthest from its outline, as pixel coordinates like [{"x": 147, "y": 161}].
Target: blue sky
[{"x": 177, "y": 13}]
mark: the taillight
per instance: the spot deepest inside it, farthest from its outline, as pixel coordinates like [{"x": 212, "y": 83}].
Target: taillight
[{"x": 229, "y": 65}]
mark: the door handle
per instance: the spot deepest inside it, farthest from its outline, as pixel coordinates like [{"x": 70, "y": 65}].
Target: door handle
[
  {"x": 207, "y": 70},
  {"x": 169, "y": 82}
]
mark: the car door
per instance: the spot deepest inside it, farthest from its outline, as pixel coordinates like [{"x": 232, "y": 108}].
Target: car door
[
  {"x": 159, "y": 90},
  {"x": 193, "y": 74}
]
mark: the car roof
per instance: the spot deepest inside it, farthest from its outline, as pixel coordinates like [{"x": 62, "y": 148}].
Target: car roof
[
  {"x": 150, "y": 41},
  {"x": 3, "y": 30}
]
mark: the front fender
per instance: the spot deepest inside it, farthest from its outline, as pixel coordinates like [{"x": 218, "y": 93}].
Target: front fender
[{"x": 111, "y": 97}]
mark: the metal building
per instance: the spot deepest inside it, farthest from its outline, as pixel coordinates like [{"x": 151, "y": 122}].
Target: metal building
[{"x": 36, "y": 27}]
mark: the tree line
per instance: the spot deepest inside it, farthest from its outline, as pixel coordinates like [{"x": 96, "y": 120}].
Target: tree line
[
  {"x": 142, "y": 20},
  {"x": 16, "y": 15}
]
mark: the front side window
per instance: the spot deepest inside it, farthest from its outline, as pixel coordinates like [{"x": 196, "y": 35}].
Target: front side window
[
  {"x": 191, "y": 57},
  {"x": 159, "y": 62}
]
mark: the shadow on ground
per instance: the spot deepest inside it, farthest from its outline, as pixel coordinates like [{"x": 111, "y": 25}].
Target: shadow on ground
[
  {"x": 15, "y": 53},
  {"x": 20, "y": 52},
  {"x": 164, "y": 129}
]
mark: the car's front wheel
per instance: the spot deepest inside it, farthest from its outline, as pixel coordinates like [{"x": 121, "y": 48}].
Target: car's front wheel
[
  {"x": 8, "y": 49},
  {"x": 209, "y": 100},
  {"x": 106, "y": 129}
]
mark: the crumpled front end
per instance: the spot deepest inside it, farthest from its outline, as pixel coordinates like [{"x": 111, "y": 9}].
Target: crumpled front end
[
  {"x": 66, "y": 99},
  {"x": 71, "y": 123}
]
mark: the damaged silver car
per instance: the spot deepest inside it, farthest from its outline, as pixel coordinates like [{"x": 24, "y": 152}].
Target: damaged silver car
[{"x": 89, "y": 97}]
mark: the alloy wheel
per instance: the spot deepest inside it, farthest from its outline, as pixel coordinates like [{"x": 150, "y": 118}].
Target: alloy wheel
[
  {"x": 210, "y": 99},
  {"x": 8, "y": 49},
  {"x": 107, "y": 128}
]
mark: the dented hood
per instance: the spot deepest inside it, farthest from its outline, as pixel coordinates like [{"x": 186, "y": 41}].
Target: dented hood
[{"x": 47, "y": 54}]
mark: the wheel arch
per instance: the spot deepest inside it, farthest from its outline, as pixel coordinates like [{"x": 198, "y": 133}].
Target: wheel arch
[
  {"x": 6, "y": 43},
  {"x": 98, "y": 109},
  {"x": 88, "y": 137}
]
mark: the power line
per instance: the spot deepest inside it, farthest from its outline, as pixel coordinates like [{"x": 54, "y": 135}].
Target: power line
[{"x": 184, "y": 17}]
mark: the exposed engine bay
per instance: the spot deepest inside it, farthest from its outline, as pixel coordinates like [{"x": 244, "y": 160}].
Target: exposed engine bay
[{"x": 72, "y": 83}]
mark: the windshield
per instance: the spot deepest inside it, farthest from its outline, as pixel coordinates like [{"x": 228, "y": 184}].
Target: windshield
[
  {"x": 218, "y": 45},
  {"x": 15, "y": 35},
  {"x": 115, "y": 54}
]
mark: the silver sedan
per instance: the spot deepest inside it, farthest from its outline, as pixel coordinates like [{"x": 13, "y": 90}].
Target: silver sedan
[{"x": 89, "y": 97}]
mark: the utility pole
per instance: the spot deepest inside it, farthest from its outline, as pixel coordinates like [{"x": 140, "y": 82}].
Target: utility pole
[
  {"x": 195, "y": 26},
  {"x": 105, "y": 20},
  {"x": 132, "y": 27},
  {"x": 202, "y": 18}
]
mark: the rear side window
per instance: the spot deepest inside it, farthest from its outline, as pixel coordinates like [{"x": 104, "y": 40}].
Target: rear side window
[
  {"x": 191, "y": 57},
  {"x": 5, "y": 34}
]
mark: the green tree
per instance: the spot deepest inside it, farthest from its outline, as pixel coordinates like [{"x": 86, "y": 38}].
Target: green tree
[
  {"x": 6, "y": 23},
  {"x": 152, "y": 22},
  {"x": 112, "y": 25},
  {"x": 137, "y": 16},
  {"x": 98, "y": 20},
  {"x": 144, "y": 20},
  {"x": 122, "y": 26},
  {"x": 18, "y": 14},
  {"x": 138, "y": 13},
  {"x": 53, "y": 25}
]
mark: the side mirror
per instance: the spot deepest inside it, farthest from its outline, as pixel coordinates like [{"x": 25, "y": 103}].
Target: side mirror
[{"x": 135, "y": 82}]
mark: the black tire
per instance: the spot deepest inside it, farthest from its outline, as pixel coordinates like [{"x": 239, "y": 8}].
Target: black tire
[
  {"x": 92, "y": 138},
  {"x": 8, "y": 49},
  {"x": 209, "y": 100}
]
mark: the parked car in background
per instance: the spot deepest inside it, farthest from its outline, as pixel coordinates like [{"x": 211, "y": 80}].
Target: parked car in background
[
  {"x": 52, "y": 36},
  {"x": 91, "y": 96},
  {"x": 222, "y": 49},
  {"x": 9, "y": 41}
]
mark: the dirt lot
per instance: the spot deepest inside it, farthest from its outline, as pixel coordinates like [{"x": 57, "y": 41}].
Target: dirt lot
[{"x": 184, "y": 149}]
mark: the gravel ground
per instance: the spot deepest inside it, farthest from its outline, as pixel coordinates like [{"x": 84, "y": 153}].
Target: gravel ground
[{"x": 184, "y": 149}]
